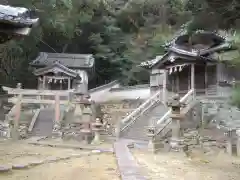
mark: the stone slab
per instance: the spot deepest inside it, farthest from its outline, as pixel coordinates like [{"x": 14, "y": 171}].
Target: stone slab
[
  {"x": 81, "y": 147},
  {"x": 127, "y": 165},
  {"x": 5, "y": 168},
  {"x": 20, "y": 166}
]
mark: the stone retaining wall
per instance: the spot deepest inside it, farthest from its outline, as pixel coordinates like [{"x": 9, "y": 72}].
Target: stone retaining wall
[{"x": 116, "y": 110}]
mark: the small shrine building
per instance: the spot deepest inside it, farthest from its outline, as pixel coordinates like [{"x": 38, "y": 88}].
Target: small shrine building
[{"x": 61, "y": 71}]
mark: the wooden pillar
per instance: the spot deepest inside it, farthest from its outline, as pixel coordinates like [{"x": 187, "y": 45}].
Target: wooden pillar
[
  {"x": 69, "y": 83},
  {"x": 218, "y": 75},
  {"x": 57, "y": 108},
  {"x": 44, "y": 82},
  {"x": 164, "y": 92},
  {"x": 15, "y": 134},
  {"x": 206, "y": 79},
  {"x": 61, "y": 84},
  {"x": 177, "y": 82},
  {"x": 193, "y": 77}
]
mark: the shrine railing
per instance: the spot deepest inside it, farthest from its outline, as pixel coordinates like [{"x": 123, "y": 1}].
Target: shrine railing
[
  {"x": 165, "y": 120},
  {"x": 143, "y": 108}
]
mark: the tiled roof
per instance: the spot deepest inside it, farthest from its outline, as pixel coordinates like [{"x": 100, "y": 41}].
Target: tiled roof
[
  {"x": 15, "y": 22},
  {"x": 17, "y": 16},
  {"x": 150, "y": 63},
  {"x": 221, "y": 34},
  {"x": 197, "y": 51},
  {"x": 69, "y": 60}
]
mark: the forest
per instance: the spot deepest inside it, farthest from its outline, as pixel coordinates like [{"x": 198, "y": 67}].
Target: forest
[{"x": 119, "y": 33}]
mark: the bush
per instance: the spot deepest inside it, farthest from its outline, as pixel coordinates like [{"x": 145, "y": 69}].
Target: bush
[{"x": 236, "y": 96}]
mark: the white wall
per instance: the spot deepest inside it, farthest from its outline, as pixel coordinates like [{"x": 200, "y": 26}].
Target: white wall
[
  {"x": 128, "y": 94},
  {"x": 98, "y": 94}
]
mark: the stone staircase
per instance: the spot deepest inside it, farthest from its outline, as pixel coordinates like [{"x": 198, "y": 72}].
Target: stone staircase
[
  {"x": 212, "y": 90},
  {"x": 44, "y": 123},
  {"x": 156, "y": 114},
  {"x": 139, "y": 129}
]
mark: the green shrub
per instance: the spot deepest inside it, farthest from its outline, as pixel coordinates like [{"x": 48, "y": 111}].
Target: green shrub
[{"x": 235, "y": 99}]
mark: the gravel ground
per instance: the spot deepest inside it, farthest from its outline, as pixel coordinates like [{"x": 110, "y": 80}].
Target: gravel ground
[
  {"x": 90, "y": 167},
  {"x": 175, "y": 166}
]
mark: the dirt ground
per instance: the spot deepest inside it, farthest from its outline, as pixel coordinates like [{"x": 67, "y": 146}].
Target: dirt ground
[
  {"x": 175, "y": 166},
  {"x": 91, "y": 167}
]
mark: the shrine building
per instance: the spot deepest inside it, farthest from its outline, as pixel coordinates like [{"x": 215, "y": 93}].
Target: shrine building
[
  {"x": 199, "y": 61},
  {"x": 61, "y": 71}
]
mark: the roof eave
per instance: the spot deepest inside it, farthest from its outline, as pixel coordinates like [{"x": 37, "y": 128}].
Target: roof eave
[{"x": 66, "y": 70}]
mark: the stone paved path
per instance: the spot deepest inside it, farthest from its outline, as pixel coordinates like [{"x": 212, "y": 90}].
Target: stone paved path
[{"x": 127, "y": 165}]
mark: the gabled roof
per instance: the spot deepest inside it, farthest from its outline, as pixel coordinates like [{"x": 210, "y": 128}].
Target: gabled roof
[
  {"x": 172, "y": 56},
  {"x": 73, "y": 61},
  {"x": 55, "y": 68}
]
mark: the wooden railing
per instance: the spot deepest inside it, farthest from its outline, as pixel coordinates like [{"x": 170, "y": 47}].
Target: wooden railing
[
  {"x": 165, "y": 120},
  {"x": 131, "y": 118}
]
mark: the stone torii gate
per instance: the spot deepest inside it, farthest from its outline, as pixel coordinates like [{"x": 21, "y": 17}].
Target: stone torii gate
[{"x": 34, "y": 97}]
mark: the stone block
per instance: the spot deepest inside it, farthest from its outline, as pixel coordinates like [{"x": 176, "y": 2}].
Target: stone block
[
  {"x": 20, "y": 166},
  {"x": 5, "y": 168},
  {"x": 36, "y": 163}
]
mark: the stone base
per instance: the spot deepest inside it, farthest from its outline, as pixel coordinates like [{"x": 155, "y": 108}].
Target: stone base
[
  {"x": 155, "y": 146},
  {"x": 56, "y": 133},
  {"x": 177, "y": 145},
  {"x": 5, "y": 130},
  {"x": 72, "y": 136}
]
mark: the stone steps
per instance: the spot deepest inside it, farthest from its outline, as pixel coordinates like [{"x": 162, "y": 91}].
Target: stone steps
[
  {"x": 138, "y": 130},
  {"x": 44, "y": 123}
]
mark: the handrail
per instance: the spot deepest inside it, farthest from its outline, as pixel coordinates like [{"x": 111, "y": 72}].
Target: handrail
[
  {"x": 182, "y": 100},
  {"x": 128, "y": 120},
  {"x": 34, "y": 119},
  {"x": 166, "y": 115},
  {"x": 9, "y": 114},
  {"x": 141, "y": 107}
]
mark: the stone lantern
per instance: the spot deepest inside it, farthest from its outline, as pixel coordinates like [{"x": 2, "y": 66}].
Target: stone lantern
[
  {"x": 97, "y": 128},
  {"x": 86, "y": 130},
  {"x": 78, "y": 117},
  {"x": 175, "y": 104},
  {"x": 176, "y": 142}
]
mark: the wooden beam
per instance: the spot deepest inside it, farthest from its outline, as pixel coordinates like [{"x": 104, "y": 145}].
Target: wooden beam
[
  {"x": 35, "y": 101},
  {"x": 37, "y": 92}
]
